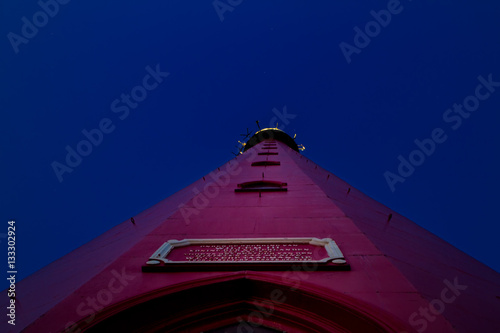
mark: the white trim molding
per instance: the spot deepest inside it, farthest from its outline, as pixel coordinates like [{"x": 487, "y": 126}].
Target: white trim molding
[{"x": 334, "y": 255}]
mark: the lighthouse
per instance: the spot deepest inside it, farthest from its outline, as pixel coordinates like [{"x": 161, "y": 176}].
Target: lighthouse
[{"x": 267, "y": 242}]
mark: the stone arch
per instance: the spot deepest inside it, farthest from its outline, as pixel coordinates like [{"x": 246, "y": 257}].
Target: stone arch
[{"x": 243, "y": 304}]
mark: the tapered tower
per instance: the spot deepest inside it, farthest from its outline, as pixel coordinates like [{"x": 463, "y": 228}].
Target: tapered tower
[{"x": 268, "y": 242}]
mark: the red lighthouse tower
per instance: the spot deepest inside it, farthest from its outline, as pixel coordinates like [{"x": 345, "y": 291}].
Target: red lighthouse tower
[{"x": 268, "y": 242}]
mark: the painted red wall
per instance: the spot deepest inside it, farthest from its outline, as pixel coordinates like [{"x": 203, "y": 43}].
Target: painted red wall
[{"x": 397, "y": 268}]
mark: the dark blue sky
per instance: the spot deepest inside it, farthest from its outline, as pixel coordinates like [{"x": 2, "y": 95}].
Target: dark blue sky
[{"x": 354, "y": 118}]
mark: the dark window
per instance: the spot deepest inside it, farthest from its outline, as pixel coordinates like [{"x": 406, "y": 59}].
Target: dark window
[
  {"x": 265, "y": 163},
  {"x": 267, "y": 153},
  {"x": 261, "y": 186}
]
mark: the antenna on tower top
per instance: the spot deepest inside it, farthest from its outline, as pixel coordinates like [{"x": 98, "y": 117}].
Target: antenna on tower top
[
  {"x": 258, "y": 124},
  {"x": 247, "y": 134}
]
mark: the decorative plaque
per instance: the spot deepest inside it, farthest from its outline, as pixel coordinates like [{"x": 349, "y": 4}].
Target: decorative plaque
[{"x": 234, "y": 254}]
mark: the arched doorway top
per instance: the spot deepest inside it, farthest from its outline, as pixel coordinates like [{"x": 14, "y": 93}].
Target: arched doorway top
[{"x": 243, "y": 301}]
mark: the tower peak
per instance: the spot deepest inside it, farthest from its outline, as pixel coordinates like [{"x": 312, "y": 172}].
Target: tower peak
[{"x": 271, "y": 134}]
